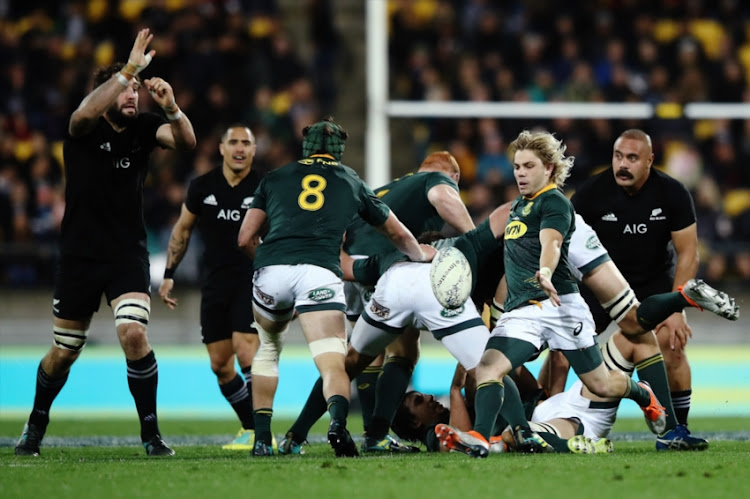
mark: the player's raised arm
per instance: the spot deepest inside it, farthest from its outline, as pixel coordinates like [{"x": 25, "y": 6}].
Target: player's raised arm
[{"x": 102, "y": 97}]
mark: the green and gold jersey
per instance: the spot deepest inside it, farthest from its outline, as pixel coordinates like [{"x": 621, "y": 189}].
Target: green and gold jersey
[
  {"x": 548, "y": 209},
  {"x": 407, "y": 197},
  {"x": 309, "y": 204}
]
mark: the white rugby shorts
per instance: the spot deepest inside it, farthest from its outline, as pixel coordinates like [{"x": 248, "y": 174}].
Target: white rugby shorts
[
  {"x": 279, "y": 289},
  {"x": 567, "y": 327},
  {"x": 403, "y": 297},
  {"x": 597, "y": 417}
]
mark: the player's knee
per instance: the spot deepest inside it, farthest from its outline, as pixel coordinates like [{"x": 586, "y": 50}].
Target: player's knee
[
  {"x": 223, "y": 368},
  {"x": 69, "y": 340},
  {"x": 132, "y": 336},
  {"x": 266, "y": 361},
  {"x": 328, "y": 345},
  {"x": 601, "y": 388}
]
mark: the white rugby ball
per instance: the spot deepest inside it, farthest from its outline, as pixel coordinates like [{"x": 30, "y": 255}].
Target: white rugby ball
[{"x": 450, "y": 277}]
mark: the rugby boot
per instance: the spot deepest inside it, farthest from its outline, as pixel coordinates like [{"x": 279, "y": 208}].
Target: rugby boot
[
  {"x": 701, "y": 295},
  {"x": 470, "y": 443}
]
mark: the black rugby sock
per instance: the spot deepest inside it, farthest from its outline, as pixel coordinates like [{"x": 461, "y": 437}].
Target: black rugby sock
[
  {"x": 47, "y": 388},
  {"x": 143, "y": 377},
  {"x": 247, "y": 373},
  {"x": 236, "y": 394},
  {"x": 681, "y": 401}
]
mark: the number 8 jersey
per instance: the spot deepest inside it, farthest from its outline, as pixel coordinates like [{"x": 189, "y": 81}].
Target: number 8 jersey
[{"x": 309, "y": 204}]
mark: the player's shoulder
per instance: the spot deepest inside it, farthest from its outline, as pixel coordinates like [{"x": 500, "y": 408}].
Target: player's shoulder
[
  {"x": 595, "y": 182},
  {"x": 667, "y": 180}
]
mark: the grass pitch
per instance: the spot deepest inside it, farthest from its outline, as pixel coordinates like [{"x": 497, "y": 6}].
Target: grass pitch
[{"x": 82, "y": 459}]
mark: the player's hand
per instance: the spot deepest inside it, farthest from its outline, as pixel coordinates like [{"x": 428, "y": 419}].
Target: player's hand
[
  {"x": 677, "y": 328},
  {"x": 138, "y": 56},
  {"x": 428, "y": 251},
  {"x": 161, "y": 92},
  {"x": 164, "y": 290},
  {"x": 546, "y": 284},
  {"x": 459, "y": 377}
]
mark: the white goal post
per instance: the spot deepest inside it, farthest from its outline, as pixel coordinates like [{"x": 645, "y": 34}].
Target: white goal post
[{"x": 380, "y": 109}]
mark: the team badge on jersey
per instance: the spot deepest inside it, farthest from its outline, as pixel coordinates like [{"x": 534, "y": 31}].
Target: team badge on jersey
[
  {"x": 515, "y": 229},
  {"x": 247, "y": 202},
  {"x": 321, "y": 294},
  {"x": 527, "y": 209}
]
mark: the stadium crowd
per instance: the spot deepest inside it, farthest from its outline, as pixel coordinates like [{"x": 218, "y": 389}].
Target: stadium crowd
[{"x": 235, "y": 61}]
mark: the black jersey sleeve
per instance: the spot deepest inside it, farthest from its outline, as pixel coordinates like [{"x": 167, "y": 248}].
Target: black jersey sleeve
[
  {"x": 681, "y": 206},
  {"x": 194, "y": 197},
  {"x": 148, "y": 124}
]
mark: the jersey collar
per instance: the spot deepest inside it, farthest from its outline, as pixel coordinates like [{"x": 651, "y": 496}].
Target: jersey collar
[
  {"x": 323, "y": 156},
  {"x": 545, "y": 189}
]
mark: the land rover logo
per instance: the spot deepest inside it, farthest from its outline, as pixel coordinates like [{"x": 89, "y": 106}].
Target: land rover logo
[{"x": 321, "y": 294}]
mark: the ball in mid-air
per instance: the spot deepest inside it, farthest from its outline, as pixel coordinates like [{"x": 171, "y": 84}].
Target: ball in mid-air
[{"x": 450, "y": 277}]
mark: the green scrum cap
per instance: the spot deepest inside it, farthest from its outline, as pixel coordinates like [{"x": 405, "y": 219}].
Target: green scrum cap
[{"x": 324, "y": 137}]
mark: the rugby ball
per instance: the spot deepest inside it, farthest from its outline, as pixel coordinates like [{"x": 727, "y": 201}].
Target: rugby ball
[{"x": 450, "y": 278}]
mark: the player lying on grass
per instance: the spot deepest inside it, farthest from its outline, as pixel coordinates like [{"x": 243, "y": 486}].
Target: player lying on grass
[
  {"x": 421, "y": 418},
  {"x": 573, "y": 421}
]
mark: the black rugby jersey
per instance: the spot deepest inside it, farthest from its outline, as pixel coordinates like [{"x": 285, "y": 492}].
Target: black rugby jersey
[
  {"x": 104, "y": 175},
  {"x": 221, "y": 209},
  {"x": 636, "y": 230}
]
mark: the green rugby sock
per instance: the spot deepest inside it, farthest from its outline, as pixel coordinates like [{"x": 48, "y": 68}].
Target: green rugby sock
[
  {"x": 559, "y": 444},
  {"x": 263, "y": 425},
  {"x": 653, "y": 371},
  {"x": 657, "y": 308},
  {"x": 366, "y": 388},
  {"x": 512, "y": 409},
  {"x": 312, "y": 411},
  {"x": 392, "y": 385},
  {"x": 487, "y": 402},
  {"x": 338, "y": 407}
]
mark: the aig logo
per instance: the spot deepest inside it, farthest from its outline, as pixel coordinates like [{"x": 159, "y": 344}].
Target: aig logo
[
  {"x": 121, "y": 163},
  {"x": 515, "y": 229},
  {"x": 635, "y": 229},
  {"x": 233, "y": 215}
]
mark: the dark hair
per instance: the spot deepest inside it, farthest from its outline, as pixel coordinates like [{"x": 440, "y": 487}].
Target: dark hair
[
  {"x": 405, "y": 425},
  {"x": 236, "y": 124},
  {"x": 102, "y": 75},
  {"x": 430, "y": 236}
]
